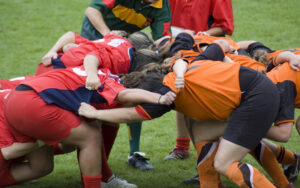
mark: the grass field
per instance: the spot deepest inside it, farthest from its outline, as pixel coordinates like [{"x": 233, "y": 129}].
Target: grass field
[{"x": 28, "y": 28}]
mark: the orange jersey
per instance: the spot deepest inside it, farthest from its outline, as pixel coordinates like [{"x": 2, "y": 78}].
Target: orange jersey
[
  {"x": 272, "y": 56},
  {"x": 207, "y": 39},
  {"x": 211, "y": 90},
  {"x": 247, "y": 62},
  {"x": 284, "y": 73},
  {"x": 287, "y": 81}
]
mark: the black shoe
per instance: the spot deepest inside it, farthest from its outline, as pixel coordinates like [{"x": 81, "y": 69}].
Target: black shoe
[
  {"x": 193, "y": 180},
  {"x": 292, "y": 171},
  {"x": 137, "y": 160}
]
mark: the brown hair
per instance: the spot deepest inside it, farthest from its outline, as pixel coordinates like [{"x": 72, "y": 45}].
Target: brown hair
[
  {"x": 261, "y": 56},
  {"x": 141, "y": 40},
  {"x": 150, "y": 78},
  {"x": 143, "y": 57}
]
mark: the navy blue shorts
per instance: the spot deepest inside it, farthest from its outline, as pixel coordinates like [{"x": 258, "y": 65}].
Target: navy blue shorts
[{"x": 251, "y": 120}]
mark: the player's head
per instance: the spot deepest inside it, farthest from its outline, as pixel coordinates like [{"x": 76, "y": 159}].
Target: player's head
[
  {"x": 149, "y": 79},
  {"x": 261, "y": 55},
  {"x": 143, "y": 57},
  {"x": 141, "y": 40}
]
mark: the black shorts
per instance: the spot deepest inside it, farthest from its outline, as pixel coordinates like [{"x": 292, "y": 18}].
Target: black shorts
[{"x": 251, "y": 120}]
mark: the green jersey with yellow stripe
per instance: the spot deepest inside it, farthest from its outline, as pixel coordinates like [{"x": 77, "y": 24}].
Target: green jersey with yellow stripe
[{"x": 130, "y": 16}]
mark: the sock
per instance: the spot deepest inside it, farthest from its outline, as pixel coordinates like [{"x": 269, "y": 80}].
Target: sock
[
  {"x": 57, "y": 150},
  {"x": 92, "y": 181},
  {"x": 6, "y": 177},
  {"x": 134, "y": 131},
  {"x": 109, "y": 134},
  {"x": 208, "y": 176},
  {"x": 183, "y": 143},
  {"x": 268, "y": 161},
  {"x": 106, "y": 171},
  {"x": 285, "y": 156},
  {"x": 246, "y": 176}
]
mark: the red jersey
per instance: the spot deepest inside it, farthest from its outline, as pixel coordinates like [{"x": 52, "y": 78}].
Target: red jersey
[
  {"x": 66, "y": 88},
  {"x": 113, "y": 52},
  {"x": 201, "y": 15},
  {"x": 6, "y": 137}
]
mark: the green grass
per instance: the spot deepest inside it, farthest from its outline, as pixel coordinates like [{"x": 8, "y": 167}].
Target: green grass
[{"x": 28, "y": 28}]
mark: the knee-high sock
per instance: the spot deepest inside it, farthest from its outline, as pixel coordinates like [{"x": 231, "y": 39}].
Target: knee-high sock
[
  {"x": 183, "y": 143},
  {"x": 268, "y": 161},
  {"x": 134, "y": 131},
  {"x": 208, "y": 176},
  {"x": 246, "y": 176},
  {"x": 285, "y": 156},
  {"x": 6, "y": 177},
  {"x": 109, "y": 134},
  {"x": 92, "y": 181}
]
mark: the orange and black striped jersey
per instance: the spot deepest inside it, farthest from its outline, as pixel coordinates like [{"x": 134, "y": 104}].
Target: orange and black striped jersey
[
  {"x": 288, "y": 82},
  {"x": 207, "y": 39},
  {"x": 211, "y": 90},
  {"x": 272, "y": 56},
  {"x": 247, "y": 62},
  {"x": 188, "y": 48}
]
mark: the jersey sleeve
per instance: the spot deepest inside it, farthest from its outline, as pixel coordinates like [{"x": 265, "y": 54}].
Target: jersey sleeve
[
  {"x": 223, "y": 16},
  {"x": 212, "y": 52},
  {"x": 161, "y": 25},
  {"x": 79, "y": 39},
  {"x": 110, "y": 90},
  {"x": 287, "y": 90},
  {"x": 150, "y": 111},
  {"x": 103, "y": 5},
  {"x": 183, "y": 41}
]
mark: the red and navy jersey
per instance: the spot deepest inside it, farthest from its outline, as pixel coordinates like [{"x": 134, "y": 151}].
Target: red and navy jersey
[
  {"x": 112, "y": 51},
  {"x": 6, "y": 137},
  {"x": 14, "y": 82},
  {"x": 66, "y": 88},
  {"x": 287, "y": 81}
]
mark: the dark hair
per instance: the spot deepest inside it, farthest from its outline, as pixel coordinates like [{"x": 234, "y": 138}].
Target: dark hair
[
  {"x": 143, "y": 57},
  {"x": 149, "y": 79}
]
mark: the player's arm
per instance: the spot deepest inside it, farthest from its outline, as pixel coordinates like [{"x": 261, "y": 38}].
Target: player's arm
[
  {"x": 96, "y": 18},
  {"x": 281, "y": 132},
  {"x": 216, "y": 31},
  {"x": 287, "y": 56},
  {"x": 117, "y": 115},
  {"x": 91, "y": 64},
  {"x": 142, "y": 96},
  {"x": 67, "y": 38},
  {"x": 179, "y": 69}
]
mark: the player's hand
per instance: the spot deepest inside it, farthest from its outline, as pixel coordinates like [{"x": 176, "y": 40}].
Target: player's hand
[
  {"x": 203, "y": 33},
  {"x": 167, "y": 99},
  {"x": 46, "y": 60},
  {"x": 87, "y": 110},
  {"x": 179, "y": 82},
  {"x": 92, "y": 82},
  {"x": 295, "y": 62}
]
